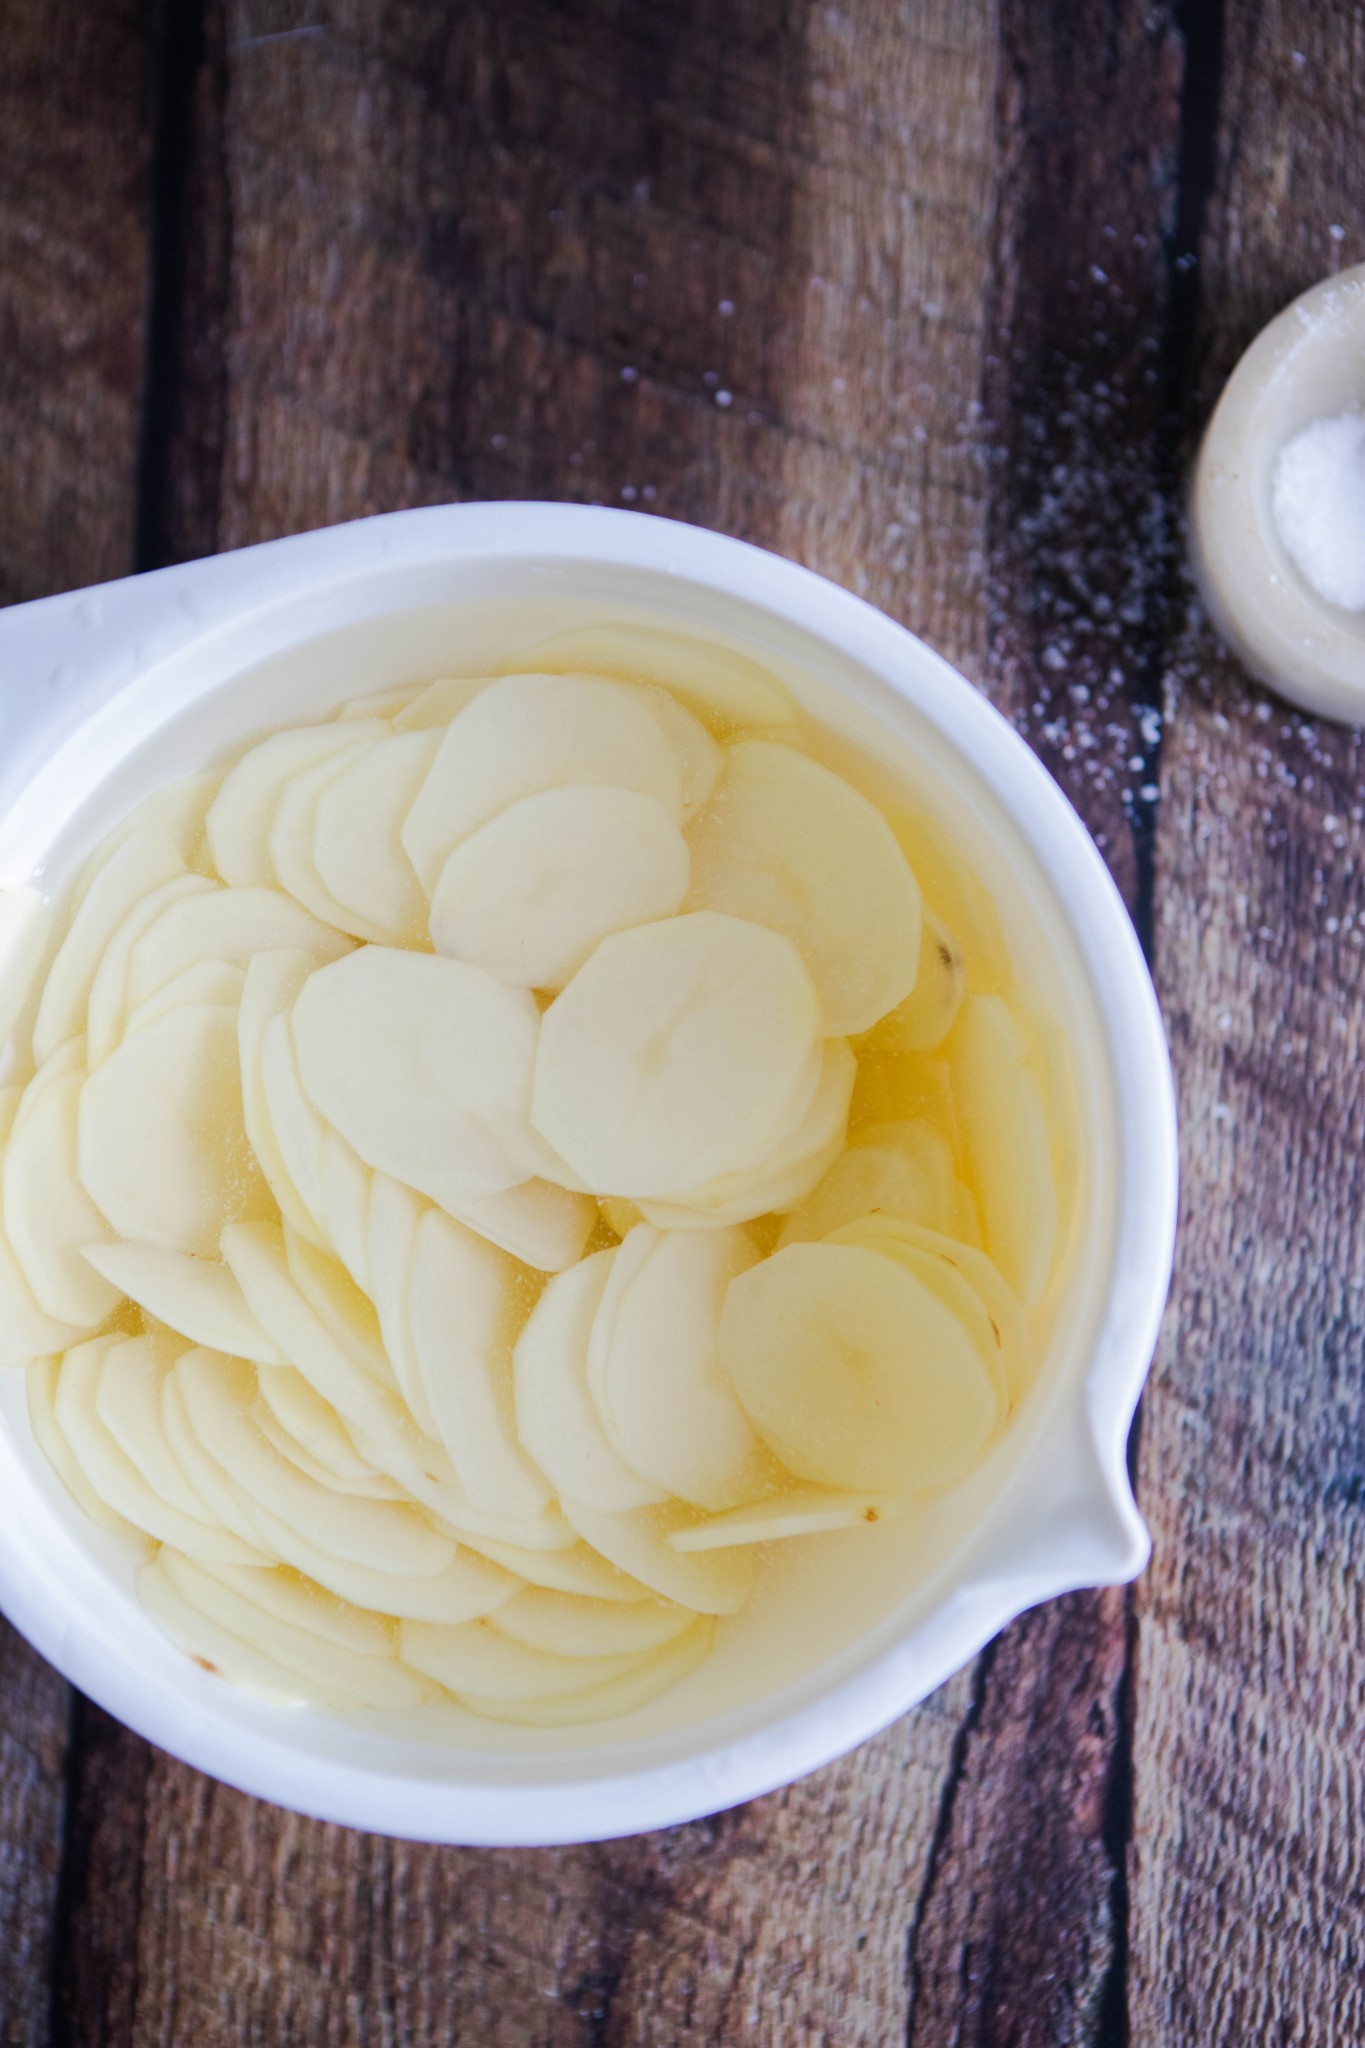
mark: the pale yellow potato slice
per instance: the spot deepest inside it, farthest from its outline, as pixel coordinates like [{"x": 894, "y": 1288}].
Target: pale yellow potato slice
[
  {"x": 107, "y": 1007},
  {"x": 712, "y": 1582},
  {"x": 533, "y": 892},
  {"x": 161, "y": 1145},
  {"x": 312, "y": 1424},
  {"x": 128, "y": 1403},
  {"x": 958, "y": 898},
  {"x": 790, "y": 1171},
  {"x": 394, "y": 1214},
  {"x": 295, "y": 1602},
  {"x": 145, "y": 859},
  {"x": 241, "y": 815},
  {"x": 797, "y": 1511},
  {"x": 726, "y": 690},
  {"x": 227, "y": 924},
  {"x": 1001, "y": 1305},
  {"x": 112, "y": 1473},
  {"x": 49, "y": 1217},
  {"x": 900, "y": 1169},
  {"x": 653, "y": 1675},
  {"x": 41, "y": 1386},
  {"x": 556, "y": 1417},
  {"x": 478, "y": 1658},
  {"x": 333, "y": 1673},
  {"x": 224, "y": 1500},
  {"x": 853, "y": 1370},
  {"x": 342, "y": 1308},
  {"x": 926, "y": 1016},
  {"x": 567, "y": 1625},
  {"x": 528, "y": 733},
  {"x": 292, "y": 839},
  {"x": 379, "y": 703},
  {"x": 178, "y": 809},
  {"x": 197, "y": 1297},
  {"x": 542, "y": 1224},
  {"x": 26, "y": 1333},
  {"x": 665, "y": 1401},
  {"x": 208, "y": 981},
  {"x": 273, "y": 1430},
  {"x": 357, "y": 846},
  {"x": 787, "y": 844},
  {"x": 699, "y": 758},
  {"x": 424, "y": 1066},
  {"x": 944, "y": 1279},
  {"x": 435, "y": 706},
  {"x": 1005, "y": 1141},
  {"x": 683, "y": 1050},
  {"x": 465, "y": 1310},
  {"x": 619, "y": 1215},
  {"x": 25, "y": 923},
  {"x": 299, "y": 1133},
  {"x": 273, "y": 980},
  {"x": 214, "y": 1648},
  {"x": 577, "y": 1570},
  {"x": 345, "y": 1193}
]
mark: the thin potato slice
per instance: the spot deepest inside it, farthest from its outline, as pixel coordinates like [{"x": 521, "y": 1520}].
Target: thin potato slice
[
  {"x": 242, "y": 813},
  {"x": 394, "y": 1214},
  {"x": 699, "y": 759},
  {"x": 146, "y": 858},
  {"x": 682, "y": 1051},
  {"x": 712, "y": 1582},
  {"x": 926, "y": 1016},
  {"x": 214, "y": 1648},
  {"x": 48, "y": 1216},
  {"x": 346, "y": 1313},
  {"x": 542, "y": 1224},
  {"x": 25, "y": 922},
  {"x": 653, "y": 1675},
  {"x": 899, "y": 1169},
  {"x": 273, "y": 980},
  {"x": 465, "y": 1309},
  {"x": 357, "y": 844},
  {"x": 434, "y": 707},
  {"x": 1005, "y": 1139},
  {"x": 945, "y": 1280},
  {"x": 853, "y": 1370},
  {"x": 297, "y": 1602},
  {"x": 26, "y": 1332},
  {"x": 108, "y": 991},
  {"x": 197, "y": 1297},
  {"x": 726, "y": 690},
  {"x": 128, "y": 1403},
  {"x": 1009, "y": 1324},
  {"x": 424, "y": 1066},
  {"x": 41, "y": 1386},
  {"x": 161, "y": 1144},
  {"x": 578, "y": 1570},
  {"x": 478, "y": 1658},
  {"x": 799, "y": 1511},
  {"x": 787, "y": 844},
  {"x": 227, "y": 924},
  {"x": 533, "y": 892},
  {"x": 372, "y": 1487},
  {"x": 654, "y": 1372},
  {"x": 292, "y": 837},
  {"x": 959, "y": 900},
  {"x": 208, "y": 981},
  {"x": 379, "y": 703},
  {"x": 570, "y": 1626},
  {"x": 556, "y": 1417},
  {"x": 529, "y": 733}
]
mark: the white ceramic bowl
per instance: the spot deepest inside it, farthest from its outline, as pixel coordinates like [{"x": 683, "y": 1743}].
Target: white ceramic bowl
[{"x": 106, "y": 692}]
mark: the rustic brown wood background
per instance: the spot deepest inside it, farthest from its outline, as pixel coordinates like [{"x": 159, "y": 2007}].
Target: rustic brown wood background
[{"x": 933, "y": 295}]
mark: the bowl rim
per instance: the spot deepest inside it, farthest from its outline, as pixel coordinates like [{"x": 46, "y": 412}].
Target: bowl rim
[{"x": 89, "y": 646}]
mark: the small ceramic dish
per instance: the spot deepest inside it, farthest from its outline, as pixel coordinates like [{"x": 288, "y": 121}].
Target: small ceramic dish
[{"x": 107, "y": 693}]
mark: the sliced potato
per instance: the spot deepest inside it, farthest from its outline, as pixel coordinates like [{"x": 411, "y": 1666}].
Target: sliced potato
[
  {"x": 197, "y": 1297},
  {"x": 107, "y": 1007},
  {"x": 372, "y": 1486},
  {"x": 48, "y": 1216},
  {"x": 926, "y": 1016},
  {"x": 25, "y": 922},
  {"x": 577, "y": 1570},
  {"x": 310, "y": 1424},
  {"x": 440, "y": 702},
  {"x": 533, "y": 892},
  {"x": 339, "y": 1305},
  {"x": 208, "y": 981},
  {"x": 273, "y": 980},
  {"x": 1010, "y": 1341},
  {"x": 797, "y": 1511},
  {"x": 227, "y": 924},
  {"x": 297, "y": 1602},
  {"x": 379, "y": 703},
  {"x": 699, "y": 759},
  {"x": 901, "y": 1169},
  {"x": 424, "y": 1066},
  {"x": 540, "y": 1223},
  {"x": 958, "y": 898},
  {"x": 654, "y": 1675},
  {"x": 567, "y": 1625},
  {"x": 344, "y": 1188},
  {"x": 683, "y": 1050},
  {"x": 293, "y": 834},
  {"x": 357, "y": 845},
  {"x": 853, "y": 1370},
  {"x": 214, "y": 1648},
  {"x": 26, "y": 1333},
  {"x": 529, "y": 733},
  {"x": 712, "y": 1582},
  {"x": 394, "y": 1214},
  {"x": 726, "y": 690},
  {"x": 556, "y": 1417},
  {"x": 653, "y": 1369},
  {"x": 146, "y": 858},
  {"x": 127, "y": 1396},
  {"x": 478, "y": 1658},
  {"x": 789, "y": 845},
  {"x": 41, "y": 1386},
  {"x": 1005, "y": 1140},
  {"x": 242, "y": 813},
  {"x": 161, "y": 1143},
  {"x": 465, "y": 1310}
]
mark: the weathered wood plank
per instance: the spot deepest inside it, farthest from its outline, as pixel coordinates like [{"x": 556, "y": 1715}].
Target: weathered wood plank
[
  {"x": 1248, "y": 1864},
  {"x": 74, "y": 149}
]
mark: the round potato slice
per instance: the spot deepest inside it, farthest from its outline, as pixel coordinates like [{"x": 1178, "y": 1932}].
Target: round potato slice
[
  {"x": 1011, "y": 1349},
  {"x": 146, "y": 858},
  {"x": 208, "y": 981},
  {"x": 434, "y": 707},
  {"x": 683, "y": 1050},
  {"x": 296, "y": 1603},
  {"x": 357, "y": 845},
  {"x": 645, "y": 1681},
  {"x": 345, "y": 1312},
  {"x": 107, "y": 1007},
  {"x": 726, "y": 690},
  {"x": 531, "y": 893},
  {"x": 41, "y": 1387},
  {"x": 699, "y": 759},
  {"x": 424, "y": 1066},
  {"x": 161, "y": 1144},
  {"x": 26, "y": 1333},
  {"x": 899, "y": 1169},
  {"x": 49, "y": 1216},
  {"x": 557, "y": 1420},
  {"x": 577, "y": 1570},
  {"x": 712, "y": 1582},
  {"x": 787, "y": 844},
  {"x": 854, "y": 1371},
  {"x": 478, "y": 1658},
  {"x": 196, "y": 1297},
  {"x": 540, "y": 1223},
  {"x": 1005, "y": 1139},
  {"x": 229, "y": 925},
  {"x": 569, "y": 1626},
  {"x": 528, "y": 733},
  {"x": 214, "y": 1648},
  {"x": 926, "y": 1016},
  {"x": 272, "y": 983},
  {"x": 292, "y": 838},
  {"x": 242, "y": 813},
  {"x": 665, "y": 1401},
  {"x": 309, "y": 1425}
]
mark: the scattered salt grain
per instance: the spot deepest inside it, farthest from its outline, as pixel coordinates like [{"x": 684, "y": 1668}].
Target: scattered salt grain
[{"x": 1319, "y": 505}]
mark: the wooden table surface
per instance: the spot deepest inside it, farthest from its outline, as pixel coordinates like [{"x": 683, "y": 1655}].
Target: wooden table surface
[{"x": 933, "y": 295}]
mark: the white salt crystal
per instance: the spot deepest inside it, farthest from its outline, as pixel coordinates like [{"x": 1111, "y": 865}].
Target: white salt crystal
[{"x": 1319, "y": 505}]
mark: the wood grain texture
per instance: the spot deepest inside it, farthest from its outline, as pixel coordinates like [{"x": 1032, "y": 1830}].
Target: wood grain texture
[
  {"x": 1248, "y": 1858},
  {"x": 75, "y": 108}
]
